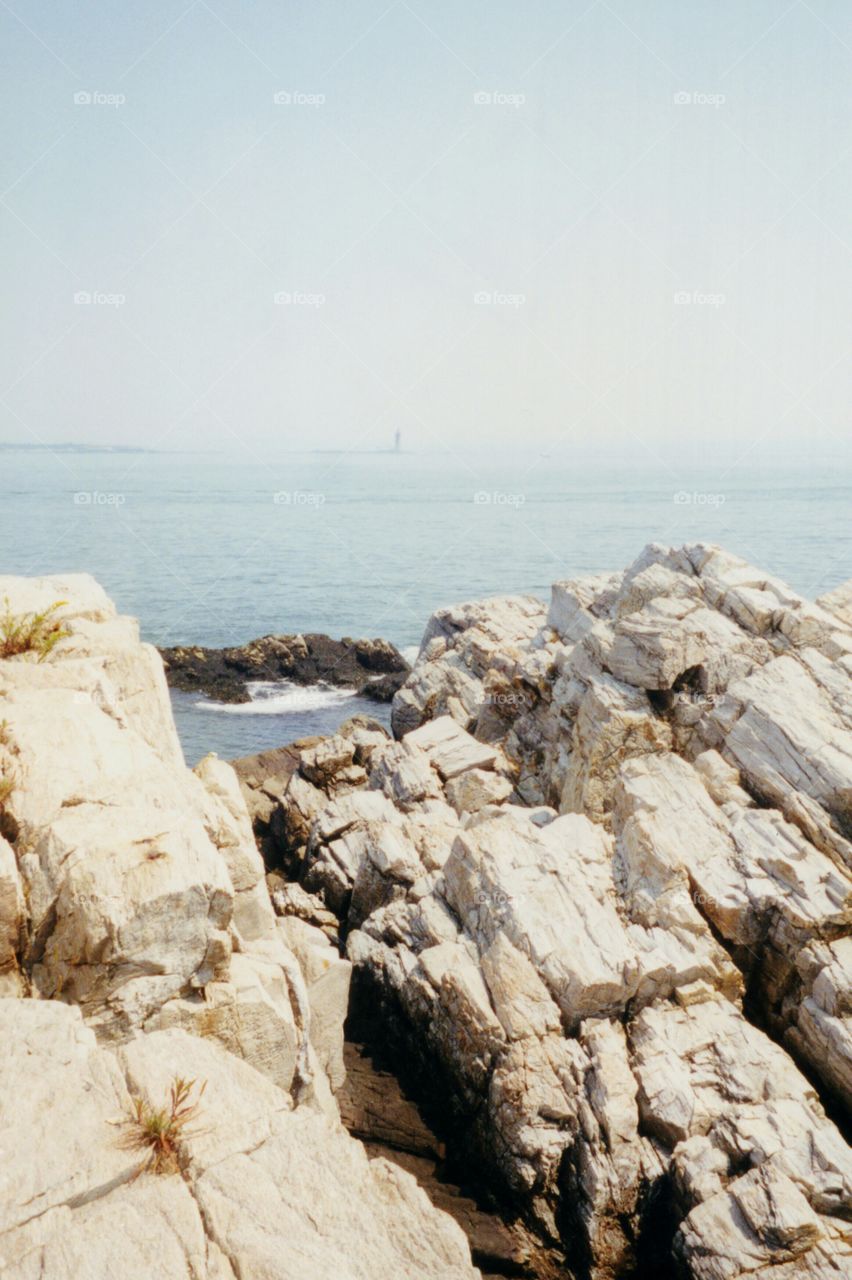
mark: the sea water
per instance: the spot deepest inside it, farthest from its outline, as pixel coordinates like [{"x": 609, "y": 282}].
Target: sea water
[{"x": 212, "y": 550}]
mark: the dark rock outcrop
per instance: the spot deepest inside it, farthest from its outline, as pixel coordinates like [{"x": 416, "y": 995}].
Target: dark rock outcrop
[{"x": 373, "y": 667}]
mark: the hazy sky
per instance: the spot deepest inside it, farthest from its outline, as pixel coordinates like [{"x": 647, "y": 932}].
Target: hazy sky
[{"x": 614, "y": 224}]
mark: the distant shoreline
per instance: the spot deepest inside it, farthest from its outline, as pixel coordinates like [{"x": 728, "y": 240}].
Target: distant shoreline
[
  {"x": 12, "y": 447},
  {"x": 70, "y": 447}
]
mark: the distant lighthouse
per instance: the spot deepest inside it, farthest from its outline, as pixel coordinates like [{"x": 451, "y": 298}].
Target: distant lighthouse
[{"x": 397, "y": 438}]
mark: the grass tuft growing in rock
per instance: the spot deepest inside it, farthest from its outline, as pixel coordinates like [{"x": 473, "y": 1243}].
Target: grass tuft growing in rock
[
  {"x": 30, "y": 632},
  {"x": 158, "y": 1132}
]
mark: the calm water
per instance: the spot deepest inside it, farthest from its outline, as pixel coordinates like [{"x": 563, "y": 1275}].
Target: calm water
[{"x": 217, "y": 551}]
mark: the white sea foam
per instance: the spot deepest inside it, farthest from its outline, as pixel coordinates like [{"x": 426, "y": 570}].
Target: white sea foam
[{"x": 280, "y": 698}]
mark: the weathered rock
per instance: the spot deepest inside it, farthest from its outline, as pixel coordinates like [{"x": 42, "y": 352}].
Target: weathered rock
[
  {"x": 459, "y": 646},
  {"x": 232, "y": 834},
  {"x": 262, "y": 1189},
  {"x": 286, "y": 788},
  {"x": 291, "y": 899},
  {"x": 327, "y": 976},
  {"x": 612, "y": 840},
  {"x": 692, "y": 720},
  {"x": 450, "y": 749},
  {"x": 373, "y": 667},
  {"x": 762, "y": 1226},
  {"x": 374, "y": 1107},
  {"x": 129, "y": 885},
  {"x": 475, "y": 789}
]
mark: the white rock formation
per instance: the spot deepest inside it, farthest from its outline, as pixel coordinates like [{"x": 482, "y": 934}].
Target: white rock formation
[
  {"x": 600, "y": 890},
  {"x": 459, "y": 646},
  {"x": 263, "y": 1189},
  {"x": 607, "y": 842},
  {"x": 134, "y": 910},
  {"x": 132, "y": 886}
]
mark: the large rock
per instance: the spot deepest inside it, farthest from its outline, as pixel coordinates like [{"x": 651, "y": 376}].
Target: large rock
[
  {"x": 263, "y": 1190},
  {"x": 372, "y": 667},
  {"x": 839, "y": 602},
  {"x": 128, "y": 884},
  {"x": 691, "y": 720},
  {"x": 460, "y": 645}
]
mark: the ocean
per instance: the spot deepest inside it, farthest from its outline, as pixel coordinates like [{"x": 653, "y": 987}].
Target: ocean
[{"x": 213, "y": 550}]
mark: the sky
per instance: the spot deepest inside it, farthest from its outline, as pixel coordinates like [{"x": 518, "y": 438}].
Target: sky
[{"x": 259, "y": 227}]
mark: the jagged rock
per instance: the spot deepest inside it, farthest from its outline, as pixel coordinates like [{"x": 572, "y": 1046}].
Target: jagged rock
[
  {"x": 291, "y": 899},
  {"x": 262, "y": 1189},
  {"x": 365, "y": 734},
  {"x": 129, "y": 885},
  {"x": 284, "y": 789},
  {"x": 362, "y": 844},
  {"x": 820, "y": 1029},
  {"x": 232, "y": 833},
  {"x": 475, "y": 789},
  {"x": 404, "y": 773},
  {"x": 459, "y": 645},
  {"x": 608, "y": 841},
  {"x": 259, "y": 1012},
  {"x": 787, "y": 729},
  {"x": 373, "y": 667},
  {"x": 691, "y": 719}
]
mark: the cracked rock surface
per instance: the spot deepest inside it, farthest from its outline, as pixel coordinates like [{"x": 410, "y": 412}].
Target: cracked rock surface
[
  {"x": 138, "y": 946},
  {"x": 263, "y": 1189},
  {"x": 601, "y": 889}
]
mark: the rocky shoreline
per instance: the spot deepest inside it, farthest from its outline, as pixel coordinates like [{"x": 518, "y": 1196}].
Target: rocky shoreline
[
  {"x": 373, "y": 668},
  {"x": 598, "y": 895},
  {"x": 593, "y": 899}
]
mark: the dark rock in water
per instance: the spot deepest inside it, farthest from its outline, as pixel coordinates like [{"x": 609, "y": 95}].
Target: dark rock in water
[{"x": 373, "y": 667}]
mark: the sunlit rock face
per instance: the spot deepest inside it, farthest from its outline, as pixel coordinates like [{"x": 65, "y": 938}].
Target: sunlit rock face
[
  {"x": 139, "y": 947},
  {"x": 602, "y": 883}
]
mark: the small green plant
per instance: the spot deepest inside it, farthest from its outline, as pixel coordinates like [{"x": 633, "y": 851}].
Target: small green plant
[
  {"x": 30, "y": 632},
  {"x": 7, "y": 786},
  {"x": 158, "y": 1132}
]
